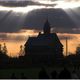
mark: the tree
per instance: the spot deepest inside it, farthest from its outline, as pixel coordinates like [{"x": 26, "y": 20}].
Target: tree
[
  {"x": 0, "y": 48},
  {"x": 5, "y": 49},
  {"x": 78, "y": 50},
  {"x": 21, "y": 52}
]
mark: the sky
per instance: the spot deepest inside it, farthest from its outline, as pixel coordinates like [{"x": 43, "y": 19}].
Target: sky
[{"x": 20, "y": 19}]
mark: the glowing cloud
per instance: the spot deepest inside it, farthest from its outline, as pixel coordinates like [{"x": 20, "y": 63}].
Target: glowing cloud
[
  {"x": 67, "y": 4},
  {"x": 23, "y": 9},
  {"x": 59, "y": 4},
  {"x": 64, "y": 4}
]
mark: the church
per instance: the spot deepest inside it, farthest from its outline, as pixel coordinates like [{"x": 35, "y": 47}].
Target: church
[{"x": 45, "y": 46}]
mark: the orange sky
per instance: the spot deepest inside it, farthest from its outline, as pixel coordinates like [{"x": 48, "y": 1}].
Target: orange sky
[{"x": 13, "y": 46}]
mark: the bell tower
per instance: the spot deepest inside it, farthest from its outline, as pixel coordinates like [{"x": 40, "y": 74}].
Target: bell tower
[{"x": 46, "y": 28}]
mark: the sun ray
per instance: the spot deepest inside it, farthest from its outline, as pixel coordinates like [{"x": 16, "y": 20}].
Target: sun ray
[{"x": 74, "y": 17}]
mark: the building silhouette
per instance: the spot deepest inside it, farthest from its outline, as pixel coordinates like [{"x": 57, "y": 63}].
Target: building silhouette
[{"x": 45, "y": 48}]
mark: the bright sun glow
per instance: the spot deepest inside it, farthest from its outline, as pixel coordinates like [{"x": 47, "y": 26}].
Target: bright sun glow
[
  {"x": 67, "y": 5},
  {"x": 64, "y": 4},
  {"x": 21, "y": 9},
  {"x": 59, "y": 4}
]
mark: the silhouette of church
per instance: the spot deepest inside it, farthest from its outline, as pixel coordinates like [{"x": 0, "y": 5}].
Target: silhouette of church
[{"x": 45, "y": 46}]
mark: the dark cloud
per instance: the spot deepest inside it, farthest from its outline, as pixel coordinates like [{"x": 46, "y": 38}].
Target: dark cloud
[
  {"x": 18, "y": 3},
  {"x": 69, "y": 37},
  {"x": 5, "y": 37},
  {"x": 22, "y": 3},
  {"x": 60, "y": 21},
  {"x": 10, "y": 21}
]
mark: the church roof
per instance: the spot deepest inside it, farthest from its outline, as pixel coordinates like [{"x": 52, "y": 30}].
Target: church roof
[{"x": 44, "y": 40}]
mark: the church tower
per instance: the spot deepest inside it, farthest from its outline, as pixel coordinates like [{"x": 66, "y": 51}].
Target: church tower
[{"x": 46, "y": 28}]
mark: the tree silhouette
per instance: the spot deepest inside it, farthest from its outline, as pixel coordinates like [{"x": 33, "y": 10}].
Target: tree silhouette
[
  {"x": 0, "y": 48},
  {"x": 5, "y": 49},
  {"x": 78, "y": 50},
  {"x": 21, "y": 52}
]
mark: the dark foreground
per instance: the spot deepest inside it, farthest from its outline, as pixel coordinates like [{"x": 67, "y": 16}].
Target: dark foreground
[{"x": 41, "y": 73}]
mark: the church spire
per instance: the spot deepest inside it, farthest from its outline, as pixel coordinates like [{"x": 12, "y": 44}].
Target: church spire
[{"x": 46, "y": 27}]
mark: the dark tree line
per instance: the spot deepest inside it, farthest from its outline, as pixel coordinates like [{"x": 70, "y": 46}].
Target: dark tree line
[{"x": 24, "y": 60}]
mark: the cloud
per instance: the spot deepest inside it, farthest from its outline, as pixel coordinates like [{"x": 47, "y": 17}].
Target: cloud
[
  {"x": 59, "y": 20},
  {"x": 12, "y": 37},
  {"x": 18, "y": 3},
  {"x": 22, "y": 3},
  {"x": 21, "y": 35},
  {"x": 10, "y": 21},
  {"x": 68, "y": 36}
]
